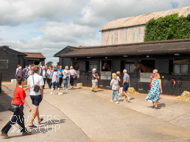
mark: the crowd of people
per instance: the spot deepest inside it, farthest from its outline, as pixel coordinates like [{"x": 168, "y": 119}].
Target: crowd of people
[
  {"x": 52, "y": 75},
  {"x": 37, "y": 76}
]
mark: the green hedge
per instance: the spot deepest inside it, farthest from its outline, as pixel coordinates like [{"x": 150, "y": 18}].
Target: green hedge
[{"x": 168, "y": 28}]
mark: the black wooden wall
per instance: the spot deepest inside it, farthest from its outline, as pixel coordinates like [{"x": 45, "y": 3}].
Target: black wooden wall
[
  {"x": 8, "y": 74},
  {"x": 161, "y": 63}
]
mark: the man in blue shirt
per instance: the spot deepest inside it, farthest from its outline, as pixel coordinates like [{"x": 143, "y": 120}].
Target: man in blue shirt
[{"x": 126, "y": 80}]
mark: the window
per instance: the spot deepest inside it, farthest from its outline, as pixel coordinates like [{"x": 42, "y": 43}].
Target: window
[
  {"x": 75, "y": 65},
  {"x": 3, "y": 64},
  {"x": 105, "y": 70},
  {"x": 180, "y": 66},
  {"x": 106, "y": 66},
  {"x": 130, "y": 67},
  {"x": 91, "y": 65}
]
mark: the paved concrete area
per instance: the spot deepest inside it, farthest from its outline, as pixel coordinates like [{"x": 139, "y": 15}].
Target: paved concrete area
[
  {"x": 57, "y": 126},
  {"x": 91, "y": 116}
]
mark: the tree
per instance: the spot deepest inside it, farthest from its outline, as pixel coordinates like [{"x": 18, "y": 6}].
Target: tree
[{"x": 49, "y": 63}]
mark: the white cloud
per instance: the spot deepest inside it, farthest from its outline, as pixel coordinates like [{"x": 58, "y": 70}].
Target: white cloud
[
  {"x": 15, "y": 12},
  {"x": 48, "y": 26},
  {"x": 67, "y": 32}
]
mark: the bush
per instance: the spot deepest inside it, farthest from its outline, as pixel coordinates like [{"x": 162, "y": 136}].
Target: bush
[{"x": 168, "y": 28}]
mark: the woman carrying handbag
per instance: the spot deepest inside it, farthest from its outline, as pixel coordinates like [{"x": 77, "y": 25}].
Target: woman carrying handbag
[
  {"x": 17, "y": 106},
  {"x": 73, "y": 76}
]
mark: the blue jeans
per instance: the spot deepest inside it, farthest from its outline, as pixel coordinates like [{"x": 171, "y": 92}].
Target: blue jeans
[
  {"x": 114, "y": 95},
  {"x": 66, "y": 81}
]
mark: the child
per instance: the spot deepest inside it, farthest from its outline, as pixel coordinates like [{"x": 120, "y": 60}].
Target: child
[
  {"x": 119, "y": 80},
  {"x": 115, "y": 85}
]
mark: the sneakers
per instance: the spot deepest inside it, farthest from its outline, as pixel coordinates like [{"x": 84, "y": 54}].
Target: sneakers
[
  {"x": 63, "y": 88},
  {"x": 51, "y": 93},
  {"x": 41, "y": 119},
  {"x": 5, "y": 136},
  {"x": 111, "y": 100},
  {"x": 128, "y": 99},
  {"x": 60, "y": 93},
  {"x": 32, "y": 126},
  {"x": 124, "y": 100},
  {"x": 26, "y": 133},
  {"x": 117, "y": 102},
  {"x": 66, "y": 89}
]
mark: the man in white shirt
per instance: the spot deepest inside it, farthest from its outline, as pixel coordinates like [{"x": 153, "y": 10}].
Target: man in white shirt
[{"x": 36, "y": 97}]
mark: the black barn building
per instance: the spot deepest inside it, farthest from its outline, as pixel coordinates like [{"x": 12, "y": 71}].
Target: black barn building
[
  {"x": 34, "y": 58},
  {"x": 171, "y": 58},
  {"x": 9, "y": 59}
]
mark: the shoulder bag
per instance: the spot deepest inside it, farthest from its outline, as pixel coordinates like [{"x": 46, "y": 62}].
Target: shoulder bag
[
  {"x": 14, "y": 108},
  {"x": 36, "y": 87}
]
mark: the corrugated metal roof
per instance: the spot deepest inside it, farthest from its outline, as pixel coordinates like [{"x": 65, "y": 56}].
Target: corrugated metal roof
[{"x": 142, "y": 19}]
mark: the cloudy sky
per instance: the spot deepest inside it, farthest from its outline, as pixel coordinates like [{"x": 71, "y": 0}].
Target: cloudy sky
[{"x": 47, "y": 26}]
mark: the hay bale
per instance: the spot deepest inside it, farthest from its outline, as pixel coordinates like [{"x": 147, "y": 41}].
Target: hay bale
[
  {"x": 185, "y": 96},
  {"x": 79, "y": 85},
  {"x": 131, "y": 90}
]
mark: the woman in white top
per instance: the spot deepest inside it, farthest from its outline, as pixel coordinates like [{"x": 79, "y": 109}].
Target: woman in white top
[
  {"x": 115, "y": 85},
  {"x": 66, "y": 76}
]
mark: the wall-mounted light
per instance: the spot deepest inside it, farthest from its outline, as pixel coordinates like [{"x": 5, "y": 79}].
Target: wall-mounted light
[
  {"x": 125, "y": 55},
  {"x": 88, "y": 57},
  {"x": 106, "y": 57},
  {"x": 147, "y": 56},
  {"x": 75, "y": 58},
  {"x": 176, "y": 54}
]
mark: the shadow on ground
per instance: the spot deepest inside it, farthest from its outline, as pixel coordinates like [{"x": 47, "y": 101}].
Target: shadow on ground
[{"x": 5, "y": 102}]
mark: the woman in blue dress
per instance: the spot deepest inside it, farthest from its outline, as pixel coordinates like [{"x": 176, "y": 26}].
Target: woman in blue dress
[{"x": 155, "y": 91}]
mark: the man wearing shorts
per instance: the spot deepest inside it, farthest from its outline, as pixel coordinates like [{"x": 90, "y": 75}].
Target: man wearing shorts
[
  {"x": 36, "y": 97},
  {"x": 126, "y": 80}
]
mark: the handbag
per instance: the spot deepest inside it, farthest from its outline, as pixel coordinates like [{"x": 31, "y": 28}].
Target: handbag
[
  {"x": 75, "y": 77},
  {"x": 14, "y": 108},
  {"x": 96, "y": 80},
  {"x": 36, "y": 87},
  {"x": 64, "y": 77}
]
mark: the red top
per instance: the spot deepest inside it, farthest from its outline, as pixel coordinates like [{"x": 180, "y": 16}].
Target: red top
[
  {"x": 19, "y": 95},
  {"x": 151, "y": 78}
]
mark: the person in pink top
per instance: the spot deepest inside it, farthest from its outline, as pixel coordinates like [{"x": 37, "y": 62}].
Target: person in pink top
[{"x": 73, "y": 76}]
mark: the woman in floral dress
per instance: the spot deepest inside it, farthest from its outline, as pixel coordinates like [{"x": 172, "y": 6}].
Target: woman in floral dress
[{"x": 155, "y": 91}]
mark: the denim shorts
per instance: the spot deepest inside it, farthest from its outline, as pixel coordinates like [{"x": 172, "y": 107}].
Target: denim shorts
[{"x": 55, "y": 84}]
